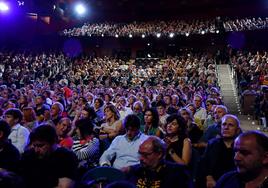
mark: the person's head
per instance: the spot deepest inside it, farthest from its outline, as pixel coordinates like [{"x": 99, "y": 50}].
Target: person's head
[
  {"x": 219, "y": 112},
  {"x": 88, "y": 112},
  {"x": 191, "y": 107},
  {"x": 167, "y": 99},
  {"x": 43, "y": 140},
  {"x": 176, "y": 125},
  {"x": 82, "y": 101},
  {"x": 63, "y": 127},
  {"x": 98, "y": 103},
  {"x": 40, "y": 100},
  {"x": 251, "y": 153},
  {"x": 84, "y": 128},
  {"x": 120, "y": 184},
  {"x": 28, "y": 114},
  {"x": 4, "y": 130},
  {"x": 161, "y": 107},
  {"x": 56, "y": 109},
  {"x": 198, "y": 101},
  {"x": 23, "y": 100},
  {"x": 209, "y": 103},
  {"x": 13, "y": 116},
  {"x": 132, "y": 126},
  {"x": 186, "y": 114},
  {"x": 230, "y": 126},
  {"x": 152, "y": 151},
  {"x": 137, "y": 107},
  {"x": 111, "y": 112},
  {"x": 131, "y": 100},
  {"x": 175, "y": 100},
  {"x": 151, "y": 117}
]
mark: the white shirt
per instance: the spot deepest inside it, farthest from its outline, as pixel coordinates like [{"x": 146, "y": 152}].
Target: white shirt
[{"x": 19, "y": 137}]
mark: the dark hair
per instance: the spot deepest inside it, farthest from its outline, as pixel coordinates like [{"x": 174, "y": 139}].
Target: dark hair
[
  {"x": 91, "y": 112},
  {"x": 85, "y": 127},
  {"x": 161, "y": 103},
  {"x": 132, "y": 120},
  {"x": 5, "y": 128},
  {"x": 155, "y": 115},
  {"x": 43, "y": 97},
  {"x": 120, "y": 184},
  {"x": 15, "y": 112},
  {"x": 181, "y": 122},
  {"x": 261, "y": 138},
  {"x": 44, "y": 133},
  {"x": 100, "y": 101}
]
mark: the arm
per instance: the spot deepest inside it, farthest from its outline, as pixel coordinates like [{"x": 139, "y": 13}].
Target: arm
[
  {"x": 23, "y": 136},
  {"x": 108, "y": 155},
  {"x": 89, "y": 151},
  {"x": 186, "y": 153}
]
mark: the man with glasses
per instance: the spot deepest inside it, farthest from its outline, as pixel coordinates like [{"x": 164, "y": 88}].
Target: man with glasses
[
  {"x": 124, "y": 148},
  {"x": 154, "y": 171}
]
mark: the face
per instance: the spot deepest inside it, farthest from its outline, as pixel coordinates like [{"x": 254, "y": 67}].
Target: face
[
  {"x": 148, "y": 158},
  {"x": 209, "y": 106},
  {"x": 249, "y": 158},
  {"x": 185, "y": 115},
  {"x": 97, "y": 104},
  {"x": 108, "y": 113},
  {"x": 192, "y": 109},
  {"x": 173, "y": 127},
  {"x": 161, "y": 110},
  {"x": 54, "y": 111},
  {"x": 167, "y": 100},
  {"x": 41, "y": 148},
  {"x": 10, "y": 120},
  {"x": 174, "y": 100},
  {"x": 218, "y": 114},
  {"x": 148, "y": 117},
  {"x": 132, "y": 132},
  {"x": 38, "y": 100},
  {"x": 197, "y": 102},
  {"x": 63, "y": 128},
  {"x": 229, "y": 128},
  {"x": 137, "y": 108}
]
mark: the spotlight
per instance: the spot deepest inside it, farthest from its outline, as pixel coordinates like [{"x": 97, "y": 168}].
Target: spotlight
[
  {"x": 80, "y": 9},
  {"x": 148, "y": 44},
  {"x": 3, "y": 7},
  {"x": 130, "y": 35},
  {"x": 203, "y": 32},
  {"x": 217, "y": 31},
  {"x": 20, "y": 3},
  {"x": 187, "y": 34},
  {"x": 171, "y": 35},
  {"x": 158, "y": 35},
  {"x": 143, "y": 36},
  {"x": 116, "y": 36},
  {"x": 102, "y": 35},
  {"x": 149, "y": 55}
]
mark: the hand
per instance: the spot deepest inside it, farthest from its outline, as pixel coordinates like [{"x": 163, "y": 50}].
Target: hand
[{"x": 210, "y": 182}]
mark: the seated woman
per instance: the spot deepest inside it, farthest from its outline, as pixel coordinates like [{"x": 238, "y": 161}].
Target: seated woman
[
  {"x": 179, "y": 148},
  {"x": 151, "y": 123},
  {"x": 113, "y": 126},
  {"x": 193, "y": 131},
  {"x": 29, "y": 118},
  {"x": 63, "y": 128},
  {"x": 86, "y": 145}
]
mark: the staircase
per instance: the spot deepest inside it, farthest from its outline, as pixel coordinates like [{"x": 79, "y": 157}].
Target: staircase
[{"x": 228, "y": 89}]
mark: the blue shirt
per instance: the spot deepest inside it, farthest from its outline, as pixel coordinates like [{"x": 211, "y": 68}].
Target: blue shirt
[{"x": 125, "y": 150}]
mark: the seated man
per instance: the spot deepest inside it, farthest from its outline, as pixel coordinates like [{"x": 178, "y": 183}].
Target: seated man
[
  {"x": 19, "y": 134},
  {"x": 125, "y": 147},
  {"x": 45, "y": 164},
  {"x": 154, "y": 171},
  {"x": 251, "y": 160}
]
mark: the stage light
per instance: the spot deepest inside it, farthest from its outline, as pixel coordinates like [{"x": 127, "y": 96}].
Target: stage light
[
  {"x": 102, "y": 35},
  {"x": 187, "y": 34},
  {"x": 217, "y": 31},
  {"x": 149, "y": 55},
  {"x": 3, "y": 7},
  {"x": 130, "y": 35},
  {"x": 158, "y": 35},
  {"x": 143, "y": 36},
  {"x": 171, "y": 35},
  {"x": 203, "y": 32},
  {"x": 116, "y": 36},
  {"x": 148, "y": 44},
  {"x": 20, "y": 3},
  {"x": 80, "y": 9}
]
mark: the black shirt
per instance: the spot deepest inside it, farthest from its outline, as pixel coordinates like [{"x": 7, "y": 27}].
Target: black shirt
[{"x": 45, "y": 172}]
